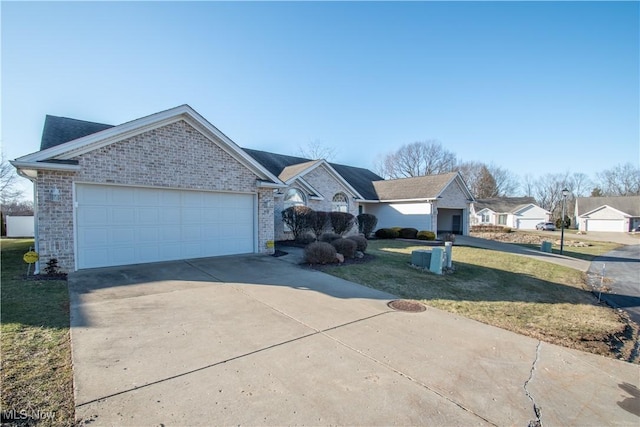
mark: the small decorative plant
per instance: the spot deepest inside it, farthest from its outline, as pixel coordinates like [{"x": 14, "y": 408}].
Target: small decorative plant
[{"x": 52, "y": 267}]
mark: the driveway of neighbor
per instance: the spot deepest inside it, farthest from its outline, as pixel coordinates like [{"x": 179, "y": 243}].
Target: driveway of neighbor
[{"x": 257, "y": 340}]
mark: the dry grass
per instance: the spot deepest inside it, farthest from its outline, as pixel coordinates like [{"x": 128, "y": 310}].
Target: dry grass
[
  {"x": 37, "y": 377},
  {"x": 542, "y": 300}
]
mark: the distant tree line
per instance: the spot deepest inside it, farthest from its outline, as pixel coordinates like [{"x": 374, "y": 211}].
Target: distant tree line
[{"x": 487, "y": 181}]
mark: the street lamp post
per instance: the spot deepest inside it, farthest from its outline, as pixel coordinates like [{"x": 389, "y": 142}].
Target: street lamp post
[{"x": 565, "y": 193}]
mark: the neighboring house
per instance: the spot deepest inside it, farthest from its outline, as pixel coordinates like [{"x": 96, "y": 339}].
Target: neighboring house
[
  {"x": 620, "y": 214},
  {"x": 171, "y": 186},
  {"x": 520, "y": 213},
  {"x": 438, "y": 203}
]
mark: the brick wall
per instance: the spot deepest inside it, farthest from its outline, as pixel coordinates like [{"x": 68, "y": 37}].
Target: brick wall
[
  {"x": 327, "y": 186},
  {"x": 173, "y": 156}
]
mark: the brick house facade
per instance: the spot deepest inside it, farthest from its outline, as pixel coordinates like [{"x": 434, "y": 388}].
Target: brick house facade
[{"x": 178, "y": 152}]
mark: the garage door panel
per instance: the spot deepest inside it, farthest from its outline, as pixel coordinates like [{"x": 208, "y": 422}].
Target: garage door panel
[
  {"x": 127, "y": 225},
  {"x": 94, "y": 237},
  {"x": 93, "y": 215},
  {"x": 122, "y": 235},
  {"x": 124, "y": 196}
]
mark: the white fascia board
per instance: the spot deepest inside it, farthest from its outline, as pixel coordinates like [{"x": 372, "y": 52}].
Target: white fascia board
[
  {"x": 599, "y": 208},
  {"x": 109, "y": 136},
  {"x": 367, "y": 201},
  {"x": 310, "y": 189},
  {"x": 462, "y": 185},
  {"x": 332, "y": 172},
  {"x": 30, "y": 170}
]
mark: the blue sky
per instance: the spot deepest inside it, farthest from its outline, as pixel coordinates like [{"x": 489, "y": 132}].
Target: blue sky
[{"x": 533, "y": 87}]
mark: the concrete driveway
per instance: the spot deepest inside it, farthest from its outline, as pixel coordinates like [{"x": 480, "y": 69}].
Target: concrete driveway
[{"x": 260, "y": 341}]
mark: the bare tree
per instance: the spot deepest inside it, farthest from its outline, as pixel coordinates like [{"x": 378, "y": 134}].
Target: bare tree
[
  {"x": 528, "y": 183},
  {"x": 579, "y": 183},
  {"x": 8, "y": 182},
  {"x": 621, "y": 180},
  {"x": 486, "y": 181},
  {"x": 548, "y": 192},
  {"x": 506, "y": 182},
  {"x": 316, "y": 150},
  {"x": 417, "y": 159}
]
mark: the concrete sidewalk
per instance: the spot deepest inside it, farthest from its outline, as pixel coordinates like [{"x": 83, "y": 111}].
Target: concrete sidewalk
[
  {"x": 566, "y": 261},
  {"x": 261, "y": 341}
]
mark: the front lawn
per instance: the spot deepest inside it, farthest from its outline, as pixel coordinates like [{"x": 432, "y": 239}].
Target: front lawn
[
  {"x": 37, "y": 378},
  {"x": 534, "y": 298}
]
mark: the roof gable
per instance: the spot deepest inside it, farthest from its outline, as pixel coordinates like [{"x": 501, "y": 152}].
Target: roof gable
[
  {"x": 504, "y": 204},
  {"x": 288, "y": 167},
  {"x": 629, "y": 205},
  {"x": 418, "y": 188},
  {"x": 54, "y": 156}
]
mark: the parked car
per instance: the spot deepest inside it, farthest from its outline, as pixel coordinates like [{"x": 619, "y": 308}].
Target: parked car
[{"x": 549, "y": 226}]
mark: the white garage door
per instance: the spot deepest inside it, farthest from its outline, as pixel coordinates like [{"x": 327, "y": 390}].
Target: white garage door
[
  {"x": 118, "y": 225},
  {"x": 605, "y": 225}
]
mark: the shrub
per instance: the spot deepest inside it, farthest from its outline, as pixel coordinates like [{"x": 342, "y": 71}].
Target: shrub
[
  {"x": 567, "y": 222},
  {"x": 318, "y": 222},
  {"x": 341, "y": 222},
  {"x": 320, "y": 253},
  {"x": 346, "y": 247},
  {"x": 490, "y": 228},
  {"x": 426, "y": 235},
  {"x": 297, "y": 219},
  {"x": 361, "y": 243},
  {"x": 449, "y": 237},
  {"x": 397, "y": 229},
  {"x": 306, "y": 238},
  {"x": 367, "y": 223},
  {"x": 52, "y": 267},
  {"x": 387, "y": 233},
  {"x": 408, "y": 233},
  {"x": 329, "y": 237}
]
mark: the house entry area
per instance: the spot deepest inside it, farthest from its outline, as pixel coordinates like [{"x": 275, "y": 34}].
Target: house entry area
[
  {"x": 119, "y": 225},
  {"x": 451, "y": 221}
]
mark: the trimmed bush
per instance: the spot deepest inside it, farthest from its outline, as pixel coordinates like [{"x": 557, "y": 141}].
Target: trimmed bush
[
  {"x": 361, "y": 243},
  {"x": 297, "y": 219},
  {"x": 397, "y": 229},
  {"x": 346, "y": 247},
  {"x": 367, "y": 223},
  {"x": 426, "y": 235},
  {"x": 341, "y": 222},
  {"x": 320, "y": 253},
  {"x": 306, "y": 238},
  {"x": 329, "y": 237},
  {"x": 408, "y": 233},
  {"x": 387, "y": 233},
  {"x": 318, "y": 222}
]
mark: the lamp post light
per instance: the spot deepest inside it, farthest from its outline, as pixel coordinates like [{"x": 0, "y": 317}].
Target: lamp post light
[{"x": 565, "y": 193}]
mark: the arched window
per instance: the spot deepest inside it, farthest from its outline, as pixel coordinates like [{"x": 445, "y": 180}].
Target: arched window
[
  {"x": 340, "y": 203},
  {"x": 294, "y": 197}
]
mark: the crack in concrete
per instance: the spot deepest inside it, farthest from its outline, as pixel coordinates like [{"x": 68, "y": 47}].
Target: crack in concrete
[
  {"x": 408, "y": 377},
  {"x": 537, "y": 410}
]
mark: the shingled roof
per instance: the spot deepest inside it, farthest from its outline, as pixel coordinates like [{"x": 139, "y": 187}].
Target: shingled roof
[
  {"x": 419, "y": 187},
  {"x": 284, "y": 166},
  {"x": 503, "y": 204},
  {"x": 627, "y": 204},
  {"x": 58, "y": 130}
]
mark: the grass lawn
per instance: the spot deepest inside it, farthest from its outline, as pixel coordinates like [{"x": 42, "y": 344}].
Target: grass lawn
[
  {"x": 534, "y": 298},
  {"x": 37, "y": 377}
]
